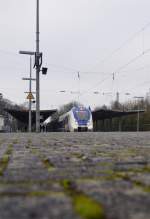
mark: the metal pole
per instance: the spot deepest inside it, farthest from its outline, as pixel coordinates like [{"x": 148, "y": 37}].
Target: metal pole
[
  {"x": 37, "y": 71},
  {"x": 138, "y": 118},
  {"x": 79, "y": 87},
  {"x": 30, "y": 101}
]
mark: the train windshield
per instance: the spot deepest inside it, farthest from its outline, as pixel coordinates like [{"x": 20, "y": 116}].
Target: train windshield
[{"x": 82, "y": 115}]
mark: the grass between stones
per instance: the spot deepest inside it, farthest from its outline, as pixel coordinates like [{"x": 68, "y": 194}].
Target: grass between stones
[
  {"x": 84, "y": 206},
  {"x": 45, "y": 160},
  {"x": 127, "y": 176},
  {"x": 5, "y": 160},
  {"x": 141, "y": 186},
  {"x": 45, "y": 194},
  {"x": 48, "y": 164},
  {"x": 2, "y": 141},
  {"x": 29, "y": 144},
  {"x": 15, "y": 141},
  {"x": 33, "y": 194}
]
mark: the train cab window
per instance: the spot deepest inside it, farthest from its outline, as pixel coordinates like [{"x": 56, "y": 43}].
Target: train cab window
[{"x": 83, "y": 115}]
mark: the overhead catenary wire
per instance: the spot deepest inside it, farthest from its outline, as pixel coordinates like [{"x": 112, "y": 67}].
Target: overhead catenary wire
[
  {"x": 137, "y": 69},
  {"x": 9, "y": 53},
  {"x": 118, "y": 71},
  {"x": 138, "y": 85},
  {"x": 97, "y": 84},
  {"x": 63, "y": 67},
  {"x": 132, "y": 61},
  {"x": 18, "y": 62},
  {"x": 130, "y": 39}
]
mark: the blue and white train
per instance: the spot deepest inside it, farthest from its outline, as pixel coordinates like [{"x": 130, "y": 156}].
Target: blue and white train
[{"x": 78, "y": 119}]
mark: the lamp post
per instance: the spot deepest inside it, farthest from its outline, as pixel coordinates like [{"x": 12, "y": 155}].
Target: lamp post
[
  {"x": 38, "y": 63},
  {"x": 30, "y": 79},
  {"x": 30, "y": 101},
  {"x": 37, "y": 69},
  {"x": 138, "y": 113},
  {"x": 30, "y": 94}
]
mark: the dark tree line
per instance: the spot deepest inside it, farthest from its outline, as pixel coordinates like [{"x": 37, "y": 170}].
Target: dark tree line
[
  {"x": 11, "y": 124},
  {"x": 129, "y": 123}
]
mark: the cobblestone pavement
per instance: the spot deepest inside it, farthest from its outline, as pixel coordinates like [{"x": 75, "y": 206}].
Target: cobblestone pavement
[{"x": 75, "y": 176}]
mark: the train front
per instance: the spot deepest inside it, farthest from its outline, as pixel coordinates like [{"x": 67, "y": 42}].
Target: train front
[{"x": 83, "y": 119}]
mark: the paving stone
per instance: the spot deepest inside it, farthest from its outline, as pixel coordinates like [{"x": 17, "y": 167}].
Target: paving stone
[{"x": 112, "y": 169}]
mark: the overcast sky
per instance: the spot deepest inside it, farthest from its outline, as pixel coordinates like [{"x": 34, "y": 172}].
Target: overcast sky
[{"x": 77, "y": 35}]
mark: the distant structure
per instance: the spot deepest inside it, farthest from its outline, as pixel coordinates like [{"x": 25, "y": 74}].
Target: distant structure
[
  {"x": 148, "y": 96},
  {"x": 103, "y": 118},
  {"x": 1, "y": 116},
  {"x": 1, "y": 123},
  {"x": 22, "y": 117}
]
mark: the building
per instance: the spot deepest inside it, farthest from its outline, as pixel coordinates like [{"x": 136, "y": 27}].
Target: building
[{"x": 1, "y": 123}]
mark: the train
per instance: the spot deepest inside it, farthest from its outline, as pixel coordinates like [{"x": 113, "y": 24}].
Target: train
[{"x": 78, "y": 119}]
